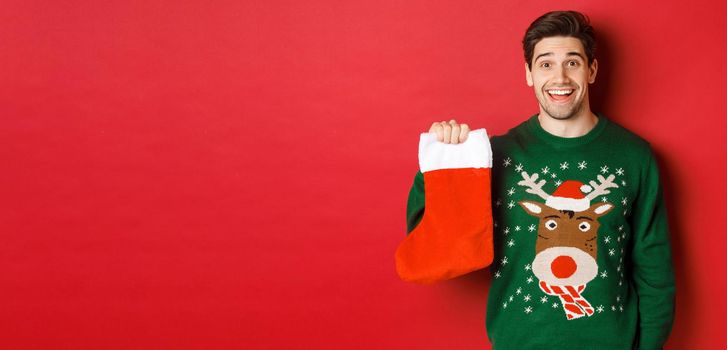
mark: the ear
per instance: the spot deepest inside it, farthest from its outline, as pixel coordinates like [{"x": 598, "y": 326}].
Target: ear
[
  {"x": 592, "y": 70},
  {"x": 529, "y": 75},
  {"x": 602, "y": 208},
  {"x": 532, "y": 208}
]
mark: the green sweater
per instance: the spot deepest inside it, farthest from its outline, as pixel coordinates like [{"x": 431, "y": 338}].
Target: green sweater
[{"x": 620, "y": 244}]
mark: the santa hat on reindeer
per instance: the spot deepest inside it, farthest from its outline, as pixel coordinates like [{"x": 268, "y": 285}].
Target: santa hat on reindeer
[{"x": 570, "y": 195}]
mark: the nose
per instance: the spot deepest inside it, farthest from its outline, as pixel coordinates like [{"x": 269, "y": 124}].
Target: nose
[
  {"x": 561, "y": 76},
  {"x": 563, "y": 266}
]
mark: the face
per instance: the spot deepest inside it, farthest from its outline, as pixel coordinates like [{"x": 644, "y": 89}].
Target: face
[
  {"x": 560, "y": 76},
  {"x": 565, "y": 250}
]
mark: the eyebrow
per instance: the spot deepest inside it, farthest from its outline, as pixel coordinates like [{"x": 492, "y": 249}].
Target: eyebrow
[
  {"x": 552, "y": 216},
  {"x": 572, "y": 53},
  {"x": 583, "y": 217}
]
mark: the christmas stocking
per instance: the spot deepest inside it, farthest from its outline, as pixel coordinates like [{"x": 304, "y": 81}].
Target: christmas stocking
[{"x": 455, "y": 235}]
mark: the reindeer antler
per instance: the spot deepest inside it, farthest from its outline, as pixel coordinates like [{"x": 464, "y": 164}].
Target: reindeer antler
[
  {"x": 603, "y": 187},
  {"x": 532, "y": 186}
]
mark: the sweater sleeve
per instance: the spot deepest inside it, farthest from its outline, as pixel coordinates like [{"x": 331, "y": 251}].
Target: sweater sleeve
[
  {"x": 653, "y": 273},
  {"x": 415, "y": 204}
]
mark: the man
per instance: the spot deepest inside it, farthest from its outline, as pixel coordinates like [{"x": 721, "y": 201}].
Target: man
[{"x": 582, "y": 253}]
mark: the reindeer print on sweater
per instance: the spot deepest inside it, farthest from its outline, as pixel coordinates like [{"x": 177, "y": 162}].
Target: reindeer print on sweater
[
  {"x": 564, "y": 204},
  {"x": 566, "y": 247}
]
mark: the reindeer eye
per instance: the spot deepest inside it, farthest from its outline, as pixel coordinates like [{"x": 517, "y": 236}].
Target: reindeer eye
[
  {"x": 584, "y": 226},
  {"x": 551, "y": 224}
]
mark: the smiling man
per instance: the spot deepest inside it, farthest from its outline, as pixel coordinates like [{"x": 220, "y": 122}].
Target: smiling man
[{"x": 581, "y": 243}]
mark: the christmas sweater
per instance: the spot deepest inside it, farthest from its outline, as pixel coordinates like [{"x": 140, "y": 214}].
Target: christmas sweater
[{"x": 582, "y": 254}]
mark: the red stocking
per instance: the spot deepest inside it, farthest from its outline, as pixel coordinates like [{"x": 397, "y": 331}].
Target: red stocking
[{"x": 455, "y": 235}]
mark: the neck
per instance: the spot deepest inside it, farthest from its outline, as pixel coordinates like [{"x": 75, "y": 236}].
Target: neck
[{"x": 575, "y": 126}]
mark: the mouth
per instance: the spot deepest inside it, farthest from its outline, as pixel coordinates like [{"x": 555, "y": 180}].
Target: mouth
[{"x": 560, "y": 95}]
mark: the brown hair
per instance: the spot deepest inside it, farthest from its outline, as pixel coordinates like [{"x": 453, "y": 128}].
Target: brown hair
[{"x": 560, "y": 23}]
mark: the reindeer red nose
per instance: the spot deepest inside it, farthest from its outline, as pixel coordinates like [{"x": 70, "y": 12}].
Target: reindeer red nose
[{"x": 563, "y": 266}]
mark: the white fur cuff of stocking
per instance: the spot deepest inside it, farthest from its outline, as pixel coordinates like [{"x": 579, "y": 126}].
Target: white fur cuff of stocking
[{"x": 474, "y": 152}]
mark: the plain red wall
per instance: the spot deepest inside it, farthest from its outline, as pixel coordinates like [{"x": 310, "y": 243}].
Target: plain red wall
[{"x": 182, "y": 174}]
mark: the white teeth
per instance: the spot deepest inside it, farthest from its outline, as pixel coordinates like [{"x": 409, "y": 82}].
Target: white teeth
[{"x": 560, "y": 92}]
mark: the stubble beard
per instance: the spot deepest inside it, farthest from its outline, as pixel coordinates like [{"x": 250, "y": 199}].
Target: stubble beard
[{"x": 558, "y": 113}]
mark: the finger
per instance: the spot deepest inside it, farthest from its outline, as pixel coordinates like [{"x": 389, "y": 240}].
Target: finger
[
  {"x": 464, "y": 132},
  {"x": 441, "y": 132},
  {"x": 437, "y": 130},
  {"x": 447, "y": 132},
  {"x": 455, "y": 133}
]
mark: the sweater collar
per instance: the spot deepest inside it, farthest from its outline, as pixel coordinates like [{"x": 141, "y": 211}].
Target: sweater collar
[{"x": 559, "y": 142}]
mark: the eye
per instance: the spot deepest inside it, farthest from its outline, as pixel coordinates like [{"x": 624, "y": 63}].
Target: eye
[
  {"x": 545, "y": 65},
  {"x": 584, "y": 226},
  {"x": 551, "y": 224},
  {"x": 572, "y": 63}
]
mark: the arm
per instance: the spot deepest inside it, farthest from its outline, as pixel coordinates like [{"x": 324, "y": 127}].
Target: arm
[{"x": 653, "y": 273}]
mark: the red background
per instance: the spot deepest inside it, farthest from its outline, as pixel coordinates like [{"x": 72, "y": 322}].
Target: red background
[{"x": 178, "y": 174}]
